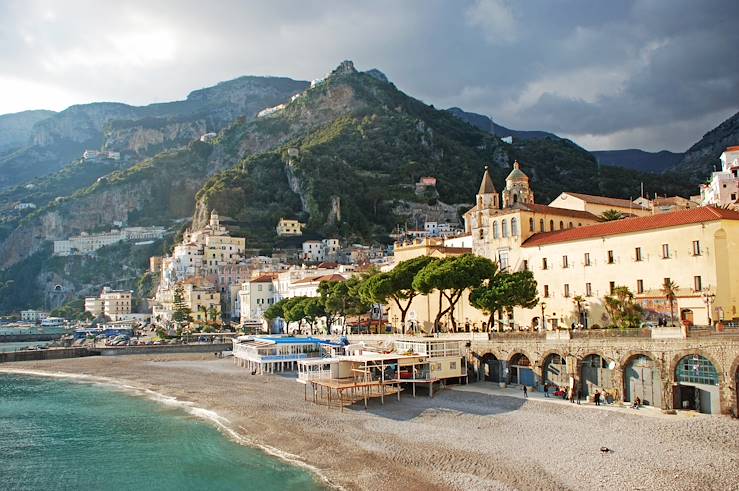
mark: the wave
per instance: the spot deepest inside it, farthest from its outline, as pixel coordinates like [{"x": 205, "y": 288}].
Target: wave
[{"x": 212, "y": 417}]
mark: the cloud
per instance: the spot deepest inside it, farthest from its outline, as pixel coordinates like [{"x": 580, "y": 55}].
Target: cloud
[{"x": 607, "y": 73}]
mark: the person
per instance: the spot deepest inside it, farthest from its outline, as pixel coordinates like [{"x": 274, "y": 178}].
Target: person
[
  {"x": 525, "y": 392},
  {"x": 546, "y": 390},
  {"x": 596, "y": 398},
  {"x": 579, "y": 395},
  {"x": 564, "y": 393},
  {"x": 572, "y": 326},
  {"x": 572, "y": 395},
  {"x": 637, "y": 403}
]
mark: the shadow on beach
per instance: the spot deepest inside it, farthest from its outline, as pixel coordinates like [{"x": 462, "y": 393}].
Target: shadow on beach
[{"x": 409, "y": 407}]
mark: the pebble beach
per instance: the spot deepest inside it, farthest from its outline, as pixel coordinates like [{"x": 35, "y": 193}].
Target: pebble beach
[{"x": 460, "y": 439}]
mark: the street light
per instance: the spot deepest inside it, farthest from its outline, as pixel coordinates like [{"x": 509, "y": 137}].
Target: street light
[
  {"x": 395, "y": 322},
  {"x": 708, "y": 299}
]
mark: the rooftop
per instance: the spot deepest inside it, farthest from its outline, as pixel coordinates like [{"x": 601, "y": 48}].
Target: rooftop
[
  {"x": 317, "y": 279},
  {"x": 604, "y": 200},
  {"x": 631, "y": 225}
]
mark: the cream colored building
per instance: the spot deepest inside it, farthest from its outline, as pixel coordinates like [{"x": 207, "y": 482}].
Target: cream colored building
[
  {"x": 289, "y": 228},
  {"x": 597, "y": 205},
  {"x": 94, "y": 305},
  {"x": 694, "y": 248},
  {"x": 112, "y": 303},
  {"x": 256, "y": 296},
  {"x": 201, "y": 297}
]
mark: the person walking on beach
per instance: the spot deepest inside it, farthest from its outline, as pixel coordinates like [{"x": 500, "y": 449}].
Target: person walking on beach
[
  {"x": 546, "y": 390},
  {"x": 579, "y": 395},
  {"x": 572, "y": 395},
  {"x": 596, "y": 398},
  {"x": 525, "y": 392}
]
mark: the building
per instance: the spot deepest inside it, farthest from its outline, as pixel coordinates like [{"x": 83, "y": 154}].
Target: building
[
  {"x": 208, "y": 137},
  {"x": 24, "y": 206},
  {"x": 597, "y": 205},
  {"x": 33, "y": 315},
  {"x": 202, "y": 299},
  {"x": 289, "y": 228},
  {"x": 316, "y": 251},
  {"x": 112, "y": 303},
  {"x": 588, "y": 259},
  {"x": 666, "y": 204},
  {"x": 723, "y": 188},
  {"x": 88, "y": 243},
  {"x": 440, "y": 229},
  {"x": 100, "y": 155},
  {"x": 256, "y": 296}
]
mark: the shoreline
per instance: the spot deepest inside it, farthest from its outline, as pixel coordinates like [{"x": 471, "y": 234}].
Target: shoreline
[
  {"x": 460, "y": 439},
  {"x": 213, "y": 418}
]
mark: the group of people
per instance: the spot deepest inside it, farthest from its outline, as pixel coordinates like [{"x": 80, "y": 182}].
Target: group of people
[{"x": 573, "y": 395}]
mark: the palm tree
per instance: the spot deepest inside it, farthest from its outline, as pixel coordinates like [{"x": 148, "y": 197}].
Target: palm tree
[
  {"x": 669, "y": 290},
  {"x": 579, "y": 302},
  {"x": 610, "y": 215}
]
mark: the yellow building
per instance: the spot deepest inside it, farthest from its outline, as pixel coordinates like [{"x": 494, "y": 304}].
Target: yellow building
[
  {"x": 288, "y": 228},
  {"x": 597, "y": 205},
  {"x": 201, "y": 297},
  {"x": 572, "y": 253},
  {"x": 221, "y": 250}
]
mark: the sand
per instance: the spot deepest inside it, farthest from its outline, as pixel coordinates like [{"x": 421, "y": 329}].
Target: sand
[{"x": 476, "y": 438}]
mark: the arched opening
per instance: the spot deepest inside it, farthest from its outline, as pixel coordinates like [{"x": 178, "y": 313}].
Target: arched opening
[
  {"x": 561, "y": 225},
  {"x": 686, "y": 316},
  {"x": 519, "y": 370},
  {"x": 569, "y": 225},
  {"x": 541, "y": 225},
  {"x": 58, "y": 288},
  {"x": 697, "y": 385},
  {"x": 491, "y": 368},
  {"x": 515, "y": 198},
  {"x": 504, "y": 227},
  {"x": 642, "y": 380},
  {"x": 531, "y": 224},
  {"x": 554, "y": 371},
  {"x": 596, "y": 373},
  {"x": 551, "y": 225},
  {"x": 514, "y": 227},
  {"x": 495, "y": 229}
]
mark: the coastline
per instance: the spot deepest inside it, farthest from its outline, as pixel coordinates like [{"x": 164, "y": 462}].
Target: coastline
[
  {"x": 457, "y": 440},
  {"x": 219, "y": 422}
]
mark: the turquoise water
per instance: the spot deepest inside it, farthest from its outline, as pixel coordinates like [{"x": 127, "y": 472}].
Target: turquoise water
[{"x": 68, "y": 436}]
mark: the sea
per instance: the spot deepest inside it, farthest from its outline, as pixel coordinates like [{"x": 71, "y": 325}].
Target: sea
[{"x": 61, "y": 435}]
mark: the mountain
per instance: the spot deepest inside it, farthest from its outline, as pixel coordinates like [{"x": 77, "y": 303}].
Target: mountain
[
  {"x": 139, "y": 132},
  {"x": 636, "y": 159},
  {"x": 344, "y": 155},
  {"x": 489, "y": 126},
  {"x": 703, "y": 158},
  {"x": 16, "y": 128}
]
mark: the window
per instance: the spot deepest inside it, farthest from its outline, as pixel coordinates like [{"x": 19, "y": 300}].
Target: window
[
  {"x": 259, "y": 288},
  {"x": 495, "y": 230},
  {"x": 587, "y": 259},
  {"x": 544, "y": 263},
  {"x": 665, "y": 251},
  {"x": 503, "y": 259},
  {"x": 525, "y": 265},
  {"x": 570, "y": 225},
  {"x": 611, "y": 286},
  {"x": 610, "y": 257},
  {"x": 565, "y": 263},
  {"x": 696, "y": 369},
  {"x": 666, "y": 281},
  {"x": 514, "y": 227},
  {"x": 697, "y": 284},
  {"x": 541, "y": 225},
  {"x": 588, "y": 290},
  {"x": 567, "y": 290},
  {"x": 561, "y": 225},
  {"x": 637, "y": 254},
  {"x": 504, "y": 227},
  {"x": 452, "y": 365},
  {"x": 551, "y": 225},
  {"x": 482, "y": 233},
  {"x": 639, "y": 286},
  {"x": 531, "y": 224},
  {"x": 546, "y": 291},
  {"x": 696, "y": 248}
]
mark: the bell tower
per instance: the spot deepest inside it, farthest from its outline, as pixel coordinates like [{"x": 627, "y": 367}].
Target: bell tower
[
  {"x": 517, "y": 189},
  {"x": 487, "y": 196}
]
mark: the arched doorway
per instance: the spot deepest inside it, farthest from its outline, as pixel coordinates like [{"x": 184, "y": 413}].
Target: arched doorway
[
  {"x": 596, "y": 373},
  {"x": 686, "y": 316},
  {"x": 642, "y": 380},
  {"x": 491, "y": 368},
  {"x": 519, "y": 370},
  {"x": 696, "y": 385},
  {"x": 554, "y": 371}
]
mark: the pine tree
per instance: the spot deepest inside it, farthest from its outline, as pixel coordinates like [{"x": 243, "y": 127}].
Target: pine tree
[{"x": 182, "y": 314}]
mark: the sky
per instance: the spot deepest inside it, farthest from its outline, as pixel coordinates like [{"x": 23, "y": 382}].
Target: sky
[{"x": 650, "y": 74}]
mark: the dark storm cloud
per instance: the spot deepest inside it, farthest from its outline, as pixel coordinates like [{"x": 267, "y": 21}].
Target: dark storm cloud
[{"x": 608, "y": 74}]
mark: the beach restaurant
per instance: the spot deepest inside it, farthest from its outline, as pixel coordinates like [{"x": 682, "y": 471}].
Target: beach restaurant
[{"x": 270, "y": 354}]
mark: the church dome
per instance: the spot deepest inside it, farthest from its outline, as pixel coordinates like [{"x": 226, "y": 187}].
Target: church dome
[{"x": 517, "y": 174}]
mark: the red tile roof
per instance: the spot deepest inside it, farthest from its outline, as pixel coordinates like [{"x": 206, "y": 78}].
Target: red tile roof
[
  {"x": 265, "y": 278},
  {"x": 604, "y": 200},
  {"x": 318, "y": 279},
  {"x": 631, "y": 225},
  {"x": 553, "y": 210}
]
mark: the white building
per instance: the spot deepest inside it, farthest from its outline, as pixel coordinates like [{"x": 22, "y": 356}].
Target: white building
[
  {"x": 24, "y": 206},
  {"x": 320, "y": 250},
  {"x": 437, "y": 229},
  {"x": 723, "y": 189},
  {"x": 88, "y": 243},
  {"x": 33, "y": 315},
  {"x": 289, "y": 228},
  {"x": 256, "y": 296}
]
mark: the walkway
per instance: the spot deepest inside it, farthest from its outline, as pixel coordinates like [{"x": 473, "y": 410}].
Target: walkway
[{"x": 493, "y": 389}]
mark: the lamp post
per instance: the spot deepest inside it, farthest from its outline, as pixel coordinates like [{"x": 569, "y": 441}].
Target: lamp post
[
  {"x": 543, "y": 324},
  {"x": 708, "y": 299},
  {"x": 395, "y": 322}
]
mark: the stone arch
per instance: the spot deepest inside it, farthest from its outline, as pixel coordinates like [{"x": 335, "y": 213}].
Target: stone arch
[
  {"x": 697, "y": 351},
  {"x": 694, "y": 392},
  {"x": 520, "y": 369},
  {"x": 600, "y": 376},
  {"x": 554, "y": 369},
  {"x": 734, "y": 388},
  {"x": 647, "y": 383},
  {"x": 490, "y": 368}
]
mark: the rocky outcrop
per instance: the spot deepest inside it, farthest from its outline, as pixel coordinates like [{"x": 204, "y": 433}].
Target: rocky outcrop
[
  {"x": 703, "y": 158},
  {"x": 16, "y": 129}
]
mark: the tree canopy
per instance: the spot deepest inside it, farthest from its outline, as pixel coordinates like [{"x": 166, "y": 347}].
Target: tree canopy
[{"x": 504, "y": 291}]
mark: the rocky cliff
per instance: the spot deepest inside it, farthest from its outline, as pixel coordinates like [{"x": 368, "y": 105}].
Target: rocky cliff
[
  {"x": 16, "y": 129},
  {"x": 703, "y": 158}
]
